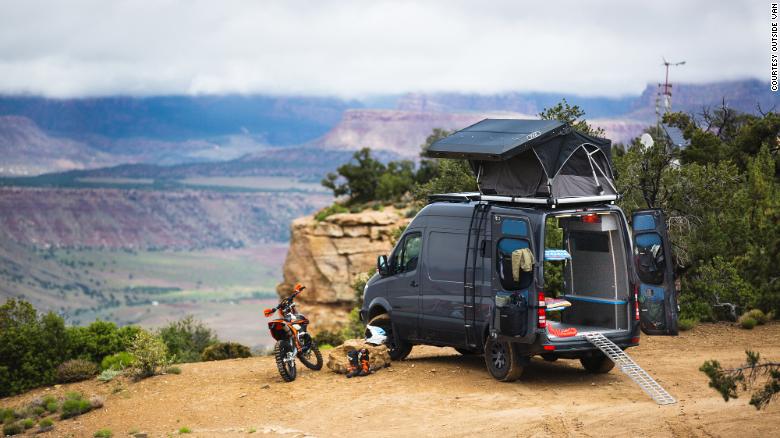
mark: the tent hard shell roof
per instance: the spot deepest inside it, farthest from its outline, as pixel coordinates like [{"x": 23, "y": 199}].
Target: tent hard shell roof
[
  {"x": 532, "y": 158},
  {"x": 496, "y": 139}
]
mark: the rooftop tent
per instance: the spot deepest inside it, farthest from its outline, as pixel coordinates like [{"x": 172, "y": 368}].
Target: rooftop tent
[{"x": 532, "y": 158}]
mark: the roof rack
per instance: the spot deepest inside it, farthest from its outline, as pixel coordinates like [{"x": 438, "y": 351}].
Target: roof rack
[
  {"x": 552, "y": 202},
  {"x": 454, "y": 197}
]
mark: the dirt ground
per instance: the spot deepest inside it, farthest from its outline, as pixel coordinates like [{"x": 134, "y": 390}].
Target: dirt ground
[{"x": 437, "y": 392}]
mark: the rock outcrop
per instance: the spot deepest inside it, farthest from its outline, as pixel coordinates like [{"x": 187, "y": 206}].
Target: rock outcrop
[
  {"x": 378, "y": 356},
  {"x": 325, "y": 256}
]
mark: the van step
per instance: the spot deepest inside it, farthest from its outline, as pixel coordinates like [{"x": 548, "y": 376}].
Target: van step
[{"x": 631, "y": 369}]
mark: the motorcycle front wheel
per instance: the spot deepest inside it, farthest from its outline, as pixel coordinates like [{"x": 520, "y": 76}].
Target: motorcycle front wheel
[
  {"x": 313, "y": 358},
  {"x": 285, "y": 365}
]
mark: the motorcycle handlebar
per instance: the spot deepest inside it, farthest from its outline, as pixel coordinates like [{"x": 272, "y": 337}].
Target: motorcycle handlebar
[{"x": 287, "y": 301}]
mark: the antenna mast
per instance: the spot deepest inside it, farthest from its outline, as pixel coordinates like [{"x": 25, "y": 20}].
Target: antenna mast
[{"x": 665, "y": 92}]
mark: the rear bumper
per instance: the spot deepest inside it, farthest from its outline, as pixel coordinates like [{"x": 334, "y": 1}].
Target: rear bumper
[{"x": 578, "y": 346}]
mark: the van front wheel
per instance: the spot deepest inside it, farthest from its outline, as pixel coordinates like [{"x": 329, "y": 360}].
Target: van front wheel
[
  {"x": 597, "y": 364},
  {"x": 502, "y": 360},
  {"x": 398, "y": 349}
]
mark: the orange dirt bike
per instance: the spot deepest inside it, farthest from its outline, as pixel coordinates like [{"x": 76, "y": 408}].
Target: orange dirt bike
[{"x": 292, "y": 339}]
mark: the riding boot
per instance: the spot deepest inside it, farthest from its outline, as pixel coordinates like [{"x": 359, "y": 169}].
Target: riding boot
[
  {"x": 353, "y": 367},
  {"x": 364, "y": 363}
]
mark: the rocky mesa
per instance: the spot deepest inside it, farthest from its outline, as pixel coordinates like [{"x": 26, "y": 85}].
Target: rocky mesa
[{"x": 327, "y": 255}]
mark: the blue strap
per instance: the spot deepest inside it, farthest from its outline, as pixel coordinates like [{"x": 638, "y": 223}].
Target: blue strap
[{"x": 595, "y": 300}]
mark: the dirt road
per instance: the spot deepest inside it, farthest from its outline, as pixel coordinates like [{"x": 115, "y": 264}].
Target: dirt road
[{"x": 437, "y": 392}]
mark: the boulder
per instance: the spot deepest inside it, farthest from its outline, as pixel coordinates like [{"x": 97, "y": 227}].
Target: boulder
[
  {"x": 378, "y": 356},
  {"x": 325, "y": 256}
]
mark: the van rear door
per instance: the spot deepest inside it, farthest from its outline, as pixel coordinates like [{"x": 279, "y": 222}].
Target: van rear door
[
  {"x": 653, "y": 263},
  {"x": 513, "y": 290}
]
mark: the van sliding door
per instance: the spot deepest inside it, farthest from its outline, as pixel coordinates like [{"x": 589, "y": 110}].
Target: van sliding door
[{"x": 653, "y": 263}]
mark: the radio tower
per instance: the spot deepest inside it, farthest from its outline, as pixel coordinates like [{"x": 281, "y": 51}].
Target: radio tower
[{"x": 665, "y": 92}]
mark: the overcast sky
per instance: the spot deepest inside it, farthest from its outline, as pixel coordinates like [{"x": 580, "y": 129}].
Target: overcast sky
[{"x": 360, "y": 47}]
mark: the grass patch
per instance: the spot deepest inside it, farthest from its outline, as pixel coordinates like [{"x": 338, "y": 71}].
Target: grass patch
[
  {"x": 14, "y": 428},
  {"x": 46, "y": 422},
  {"x": 686, "y": 324},
  {"x": 103, "y": 433},
  {"x": 173, "y": 370},
  {"x": 74, "y": 405},
  {"x": 27, "y": 423},
  {"x": 747, "y": 322},
  {"x": 330, "y": 211},
  {"x": 760, "y": 317},
  {"x": 51, "y": 404},
  {"x": 185, "y": 429}
]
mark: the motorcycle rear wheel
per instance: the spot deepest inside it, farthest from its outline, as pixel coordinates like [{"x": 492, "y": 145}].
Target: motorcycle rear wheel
[
  {"x": 314, "y": 351},
  {"x": 286, "y": 367}
]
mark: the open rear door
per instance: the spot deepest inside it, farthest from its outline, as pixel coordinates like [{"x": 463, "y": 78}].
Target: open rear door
[{"x": 653, "y": 263}]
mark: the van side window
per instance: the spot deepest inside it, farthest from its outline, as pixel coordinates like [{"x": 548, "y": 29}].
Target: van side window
[
  {"x": 407, "y": 254},
  {"x": 506, "y": 247}
]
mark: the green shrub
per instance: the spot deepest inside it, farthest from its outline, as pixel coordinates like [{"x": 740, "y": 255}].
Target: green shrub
[
  {"x": 7, "y": 415},
  {"x": 14, "y": 428},
  {"x": 329, "y": 337},
  {"x": 185, "y": 429},
  {"x": 173, "y": 370},
  {"x": 28, "y": 423},
  {"x": 187, "y": 338},
  {"x": 75, "y": 405},
  {"x": 103, "y": 433},
  {"x": 31, "y": 347},
  {"x": 686, "y": 324},
  {"x": 51, "y": 404},
  {"x": 329, "y": 211},
  {"x": 109, "y": 375},
  {"x": 37, "y": 411},
  {"x": 759, "y": 316},
  {"x": 747, "y": 322},
  {"x": 76, "y": 370},
  {"x": 117, "y": 361},
  {"x": 46, "y": 422},
  {"x": 100, "y": 339},
  {"x": 150, "y": 353},
  {"x": 226, "y": 350}
]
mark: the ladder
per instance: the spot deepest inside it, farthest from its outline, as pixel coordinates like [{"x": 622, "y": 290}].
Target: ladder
[
  {"x": 630, "y": 368},
  {"x": 472, "y": 265}
]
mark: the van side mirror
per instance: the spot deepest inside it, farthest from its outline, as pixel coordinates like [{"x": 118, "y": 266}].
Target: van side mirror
[{"x": 381, "y": 265}]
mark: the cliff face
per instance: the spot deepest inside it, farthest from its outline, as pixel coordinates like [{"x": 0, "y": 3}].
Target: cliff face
[{"x": 325, "y": 256}]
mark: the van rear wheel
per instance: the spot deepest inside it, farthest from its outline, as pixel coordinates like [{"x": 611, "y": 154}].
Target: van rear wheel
[
  {"x": 397, "y": 348},
  {"x": 502, "y": 360},
  {"x": 597, "y": 364}
]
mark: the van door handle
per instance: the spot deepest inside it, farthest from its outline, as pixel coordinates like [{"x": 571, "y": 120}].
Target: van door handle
[{"x": 413, "y": 283}]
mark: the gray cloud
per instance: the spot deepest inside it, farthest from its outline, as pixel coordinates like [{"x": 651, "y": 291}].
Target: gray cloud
[{"x": 354, "y": 48}]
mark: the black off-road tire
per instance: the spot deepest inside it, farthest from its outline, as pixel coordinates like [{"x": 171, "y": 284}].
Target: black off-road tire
[
  {"x": 315, "y": 351},
  {"x": 467, "y": 352},
  {"x": 502, "y": 360},
  {"x": 549, "y": 357},
  {"x": 398, "y": 349},
  {"x": 286, "y": 369},
  {"x": 597, "y": 364}
]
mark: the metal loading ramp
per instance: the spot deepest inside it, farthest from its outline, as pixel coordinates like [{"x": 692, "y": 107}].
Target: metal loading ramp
[{"x": 631, "y": 369}]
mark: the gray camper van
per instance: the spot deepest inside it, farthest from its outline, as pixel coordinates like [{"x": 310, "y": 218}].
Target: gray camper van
[{"x": 469, "y": 271}]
